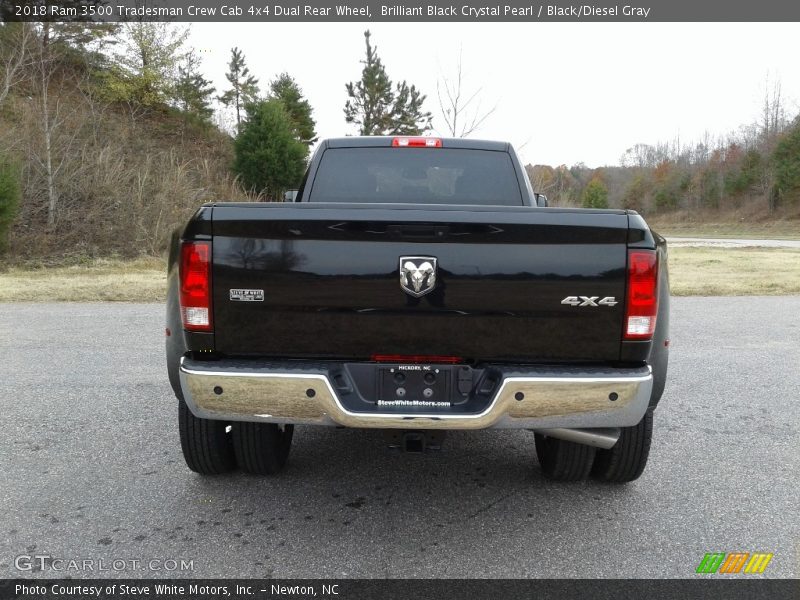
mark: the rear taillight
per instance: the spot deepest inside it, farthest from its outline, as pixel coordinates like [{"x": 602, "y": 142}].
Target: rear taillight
[
  {"x": 416, "y": 142},
  {"x": 195, "y": 274},
  {"x": 641, "y": 306}
]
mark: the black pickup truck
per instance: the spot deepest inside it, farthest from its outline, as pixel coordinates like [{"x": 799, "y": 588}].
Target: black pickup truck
[{"x": 419, "y": 285}]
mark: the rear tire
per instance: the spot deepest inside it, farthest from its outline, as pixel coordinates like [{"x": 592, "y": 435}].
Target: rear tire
[
  {"x": 627, "y": 459},
  {"x": 206, "y": 446},
  {"x": 262, "y": 448},
  {"x": 561, "y": 460}
]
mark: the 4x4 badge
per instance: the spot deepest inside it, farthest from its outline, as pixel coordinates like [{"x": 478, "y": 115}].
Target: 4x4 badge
[
  {"x": 417, "y": 274},
  {"x": 590, "y": 301}
]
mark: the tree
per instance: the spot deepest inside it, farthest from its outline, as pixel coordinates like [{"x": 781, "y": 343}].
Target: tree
[
  {"x": 285, "y": 89},
  {"x": 244, "y": 87},
  {"x": 773, "y": 115},
  {"x": 744, "y": 172},
  {"x": 707, "y": 182},
  {"x": 51, "y": 118},
  {"x": 75, "y": 28},
  {"x": 146, "y": 68},
  {"x": 640, "y": 155},
  {"x": 460, "y": 115},
  {"x": 542, "y": 178},
  {"x": 34, "y": 52},
  {"x": 192, "y": 90},
  {"x": 595, "y": 194},
  {"x": 15, "y": 55},
  {"x": 10, "y": 196},
  {"x": 268, "y": 158},
  {"x": 376, "y": 108},
  {"x": 786, "y": 165},
  {"x": 636, "y": 193},
  {"x": 53, "y": 68}
]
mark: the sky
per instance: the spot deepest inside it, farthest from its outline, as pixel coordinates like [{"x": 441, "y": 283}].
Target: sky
[{"x": 563, "y": 93}]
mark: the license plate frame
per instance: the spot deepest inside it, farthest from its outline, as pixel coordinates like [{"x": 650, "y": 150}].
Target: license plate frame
[{"x": 419, "y": 383}]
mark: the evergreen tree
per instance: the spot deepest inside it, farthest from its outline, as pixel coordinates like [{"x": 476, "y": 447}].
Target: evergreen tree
[
  {"x": 376, "y": 108},
  {"x": 786, "y": 165},
  {"x": 193, "y": 91},
  {"x": 285, "y": 89},
  {"x": 595, "y": 195},
  {"x": 268, "y": 158},
  {"x": 244, "y": 87},
  {"x": 407, "y": 117}
]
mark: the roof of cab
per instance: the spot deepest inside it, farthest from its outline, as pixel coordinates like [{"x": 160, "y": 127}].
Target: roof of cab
[{"x": 377, "y": 141}]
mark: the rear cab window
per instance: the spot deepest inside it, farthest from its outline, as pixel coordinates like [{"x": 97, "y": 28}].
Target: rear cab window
[{"x": 416, "y": 176}]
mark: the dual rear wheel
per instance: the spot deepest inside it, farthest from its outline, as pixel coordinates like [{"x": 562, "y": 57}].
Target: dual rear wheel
[
  {"x": 561, "y": 460},
  {"x": 215, "y": 447}
]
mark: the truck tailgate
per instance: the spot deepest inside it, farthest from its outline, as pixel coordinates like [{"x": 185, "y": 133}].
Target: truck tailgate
[{"x": 323, "y": 281}]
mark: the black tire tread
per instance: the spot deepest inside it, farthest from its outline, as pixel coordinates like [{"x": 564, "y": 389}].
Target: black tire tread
[
  {"x": 261, "y": 448},
  {"x": 627, "y": 459},
  {"x": 205, "y": 444},
  {"x": 561, "y": 460}
]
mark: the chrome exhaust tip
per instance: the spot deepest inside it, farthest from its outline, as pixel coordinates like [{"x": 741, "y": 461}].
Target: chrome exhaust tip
[{"x": 599, "y": 438}]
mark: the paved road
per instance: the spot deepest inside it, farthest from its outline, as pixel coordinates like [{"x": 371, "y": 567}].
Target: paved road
[
  {"x": 91, "y": 468},
  {"x": 731, "y": 243}
]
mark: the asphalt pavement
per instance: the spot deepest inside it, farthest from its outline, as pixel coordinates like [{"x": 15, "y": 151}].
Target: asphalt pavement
[{"x": 92, "y": 470}]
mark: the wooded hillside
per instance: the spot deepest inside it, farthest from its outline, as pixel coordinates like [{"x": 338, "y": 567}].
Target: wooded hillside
[
  {"x": 109, "y": 140},
  {"x": 95, "y": 174},
  {"x": 754, "y": 171}
]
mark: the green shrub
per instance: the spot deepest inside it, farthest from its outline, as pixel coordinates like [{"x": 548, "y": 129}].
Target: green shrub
[
  {"x": 710, "y": 188},
  {"x": 595, "y": 195},
  {"x": 748, "y": 174},
  {"x": 10, "y": 196},
  {"x": 666, "y": 198}
]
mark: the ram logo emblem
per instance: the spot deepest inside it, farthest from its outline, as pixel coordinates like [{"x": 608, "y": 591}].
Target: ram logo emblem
[
  {"x": 417, "y": 274},
  {"x": 590, "y": 301}
]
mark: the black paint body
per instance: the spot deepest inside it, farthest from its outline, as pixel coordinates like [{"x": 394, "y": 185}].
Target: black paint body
[{"x": 330, "y": 275}]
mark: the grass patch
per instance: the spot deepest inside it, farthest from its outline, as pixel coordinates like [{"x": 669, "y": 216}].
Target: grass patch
[
  {"x": 95, "y": 280},
  {"x": 693, "y": 272},
  {"x": 734, "y": 272},
  {"x": 775, "y": 230},
  {"x": 751, "y": 220}
]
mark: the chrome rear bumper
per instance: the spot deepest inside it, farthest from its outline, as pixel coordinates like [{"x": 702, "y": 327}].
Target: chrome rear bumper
[{"x": 539, "y": 398}]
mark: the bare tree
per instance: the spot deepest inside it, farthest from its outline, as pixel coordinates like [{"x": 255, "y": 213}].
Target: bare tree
[
  {"x": 773, "y": 114},
  {"x": 52, "y": 117},
  {"x": 15, "y": 56},
  {"x": 641, "y": 156},
  {"x": 461, "y": 109},
  {"x": 49, "y": 124},
  {"x": 542, "y": 178}
]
